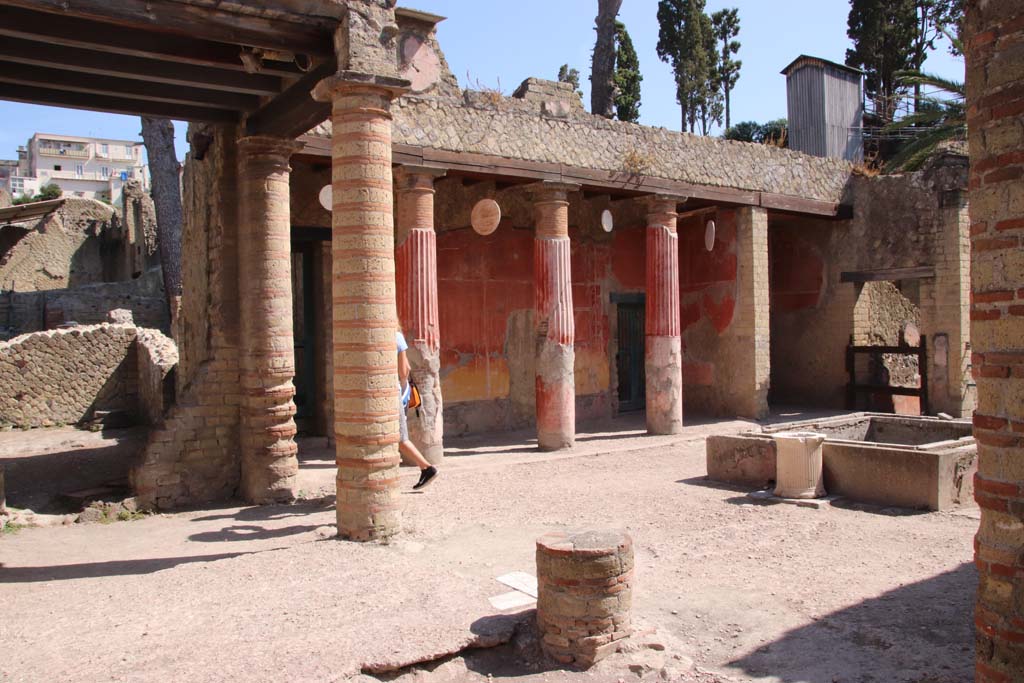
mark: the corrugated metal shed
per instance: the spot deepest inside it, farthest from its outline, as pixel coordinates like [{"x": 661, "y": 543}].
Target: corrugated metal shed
[{"x": 826, "y": 108}]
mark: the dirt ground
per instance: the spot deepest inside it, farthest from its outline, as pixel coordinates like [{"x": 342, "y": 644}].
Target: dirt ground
[{"x": 727, "y": 589}]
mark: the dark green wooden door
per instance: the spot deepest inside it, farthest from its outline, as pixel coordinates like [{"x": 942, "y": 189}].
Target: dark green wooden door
[{"x": 630, "y": 356}]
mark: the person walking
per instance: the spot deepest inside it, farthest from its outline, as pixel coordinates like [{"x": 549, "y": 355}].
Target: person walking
[{"x": 406, "y": 447}]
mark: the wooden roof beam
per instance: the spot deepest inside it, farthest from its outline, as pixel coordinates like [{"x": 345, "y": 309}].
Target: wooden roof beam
[
  {"x": 117, "y": 105},
  {"x": 71, "y": 31},
  {"x": 11, "y": 72},
  {"x": 80, "y": 60},
  {"x": 294, "y": 111},
  {"x": 313, "y": 36}
]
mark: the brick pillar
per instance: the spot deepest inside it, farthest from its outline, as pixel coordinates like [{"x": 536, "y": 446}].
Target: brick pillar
[
  {"x": 751, "y": 323},
  {"x": 553, "y": 318},
  {"x": 663, "y": 347},
  {"x": 995, "y": 99},
  {"x": 365, "y": 355},
  {"x": 416, "y": 281},
  {"x": 268, "y": 452},
  {"x": 584, "y": 594}
]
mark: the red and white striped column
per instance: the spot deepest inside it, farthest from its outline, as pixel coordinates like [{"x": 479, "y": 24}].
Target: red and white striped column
[
  {"x": 553, "y": 318},
  {"x": 269, "y": 462},
  {"x": 364, "y": 317},
  {"x": 416, "y": 283},
  {"x": 663, "y": 356}
]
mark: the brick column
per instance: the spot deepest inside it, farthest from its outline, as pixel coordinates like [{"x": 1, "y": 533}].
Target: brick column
[
  {"x": 994, "y": 43},
  {"x": 553, "y": 318},
  {"x": 365, "y": 355},
  {"x": 268, "y": 452},
  {"x": 584, "y": 594},
  {"x": 752, "y": 364},
  {"x": 663, "y": 346},
  {"x": 416, "y": 281}
]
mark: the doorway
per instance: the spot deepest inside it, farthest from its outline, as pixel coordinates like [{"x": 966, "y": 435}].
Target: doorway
[{"x": 629, "y": 358}]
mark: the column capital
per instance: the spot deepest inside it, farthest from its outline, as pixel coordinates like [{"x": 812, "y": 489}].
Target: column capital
[
  {"x": 356, "y": 81},
  {"x": 269, "y": 145},
  {"x": 661, "y": 203},
  {"x": 409, "y": 177},
  {"x": 550, "y": 190}
]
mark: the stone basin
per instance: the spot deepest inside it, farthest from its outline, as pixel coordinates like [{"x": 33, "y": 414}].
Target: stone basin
[{"x": 891, "y": 460}]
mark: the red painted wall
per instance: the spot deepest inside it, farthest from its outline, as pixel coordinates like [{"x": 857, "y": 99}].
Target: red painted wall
[
  {"x": 482, "y": 280},
  {"x": 796, "y": 272}
]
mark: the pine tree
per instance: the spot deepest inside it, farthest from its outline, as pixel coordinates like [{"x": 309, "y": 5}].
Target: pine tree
[
  {"x": 710, "y": 102},
  {"x": 726, "y": 24},
  {"x": 627, "y": 76},
  {"x": 682, "y": 43},
  {"x": 883, "y": 34},
  {"x": 571, "y": 76}
]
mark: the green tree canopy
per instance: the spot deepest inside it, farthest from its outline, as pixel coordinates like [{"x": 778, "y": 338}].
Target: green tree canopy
[
  {"x": 46, "y": 192},
  {"x": 682, "y": 43},
  {"x": 572, "y": 76},
  {"x": 744, "y": 131},
  {"x": 627, "y": 76},
  {"x": 883, "y": 34},
  {"x": 726, "y": 25}
]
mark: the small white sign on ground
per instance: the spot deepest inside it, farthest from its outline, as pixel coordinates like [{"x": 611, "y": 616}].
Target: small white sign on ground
[
  {"x": 511, "y": 600},
  {"x": 521, "y": 581}
]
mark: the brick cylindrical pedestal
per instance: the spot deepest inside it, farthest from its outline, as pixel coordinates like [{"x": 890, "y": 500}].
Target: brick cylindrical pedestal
[
  {"x": 553, "y": 320},
  {"x": 269, "y": 453},
  {"x": 365, "y": 321},
  {"x": 416, "y": 280},
  {"x": 585, "y": 594},
  {"x": 663, "y": 355}
]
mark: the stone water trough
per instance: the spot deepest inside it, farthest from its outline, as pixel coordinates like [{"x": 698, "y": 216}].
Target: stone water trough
[{"x": 892, "y": 460}]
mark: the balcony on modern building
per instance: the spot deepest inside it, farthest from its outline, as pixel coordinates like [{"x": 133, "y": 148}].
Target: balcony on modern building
[{"x": 64, "y": 152}]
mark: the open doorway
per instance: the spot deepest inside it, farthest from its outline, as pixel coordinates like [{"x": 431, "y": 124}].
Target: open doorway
[{"x": 629, "y": 356}]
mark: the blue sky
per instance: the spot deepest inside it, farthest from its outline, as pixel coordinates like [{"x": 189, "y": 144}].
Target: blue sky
[{"x": 501, "y": 41}]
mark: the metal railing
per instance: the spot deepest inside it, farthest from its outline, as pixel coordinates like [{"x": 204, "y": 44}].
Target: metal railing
[{"x": 56, "y": 152}]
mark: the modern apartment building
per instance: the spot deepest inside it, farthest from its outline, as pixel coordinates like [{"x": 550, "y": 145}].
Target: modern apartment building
[{"x": 96, "y": 168}]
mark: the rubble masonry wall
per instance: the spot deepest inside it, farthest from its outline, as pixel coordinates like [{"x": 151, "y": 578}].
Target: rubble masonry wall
[{"x": 60, "y": 377}]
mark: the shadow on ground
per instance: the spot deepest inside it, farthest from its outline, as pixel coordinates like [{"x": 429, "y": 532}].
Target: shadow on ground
[
  {"x": 38, "y": 481},
  {"x": 893, "y": 632},
  {"x": 86, "y": 570}
]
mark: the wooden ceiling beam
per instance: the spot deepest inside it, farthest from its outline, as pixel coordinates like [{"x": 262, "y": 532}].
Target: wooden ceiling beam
[
  {"x": 117, "y": 105},
  {"x": 313, "y": 36},
  {"x": 293, "y": 112},
  {"x": 149, "y": 70},
  {"x": 11, "y": 72},
  {"x": 70, "y": 31}
]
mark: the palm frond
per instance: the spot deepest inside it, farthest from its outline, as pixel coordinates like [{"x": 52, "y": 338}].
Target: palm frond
[
  {"x": 913, "y": 155},
  {"x": 909, "y": 78}
]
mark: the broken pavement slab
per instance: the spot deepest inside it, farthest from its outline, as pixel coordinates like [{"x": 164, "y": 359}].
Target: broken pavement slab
[{"x": 815, "y": 503}]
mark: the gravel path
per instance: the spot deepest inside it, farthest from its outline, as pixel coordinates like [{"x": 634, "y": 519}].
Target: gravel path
[{"x": 748, "y": 592}]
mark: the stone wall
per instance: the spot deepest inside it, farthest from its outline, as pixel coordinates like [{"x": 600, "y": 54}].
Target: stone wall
[
  {"x": 64, "y": 248},
  {"x": 78, "y": 263},
  {"x": 156, "y": 357},
  {"x": 902, "y": 221},
  {"x": 63, "y": 376},
  {"x": 193, "y": 456},
  {"x": 994, "y": 39}
]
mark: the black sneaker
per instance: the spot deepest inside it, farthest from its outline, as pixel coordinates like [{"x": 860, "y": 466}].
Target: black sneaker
[{"x": 426, "y": 476}]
